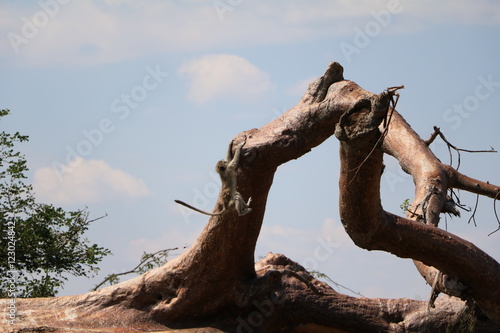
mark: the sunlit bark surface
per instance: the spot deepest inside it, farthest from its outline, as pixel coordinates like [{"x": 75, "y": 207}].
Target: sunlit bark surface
[{"x": 216, "y": 285}]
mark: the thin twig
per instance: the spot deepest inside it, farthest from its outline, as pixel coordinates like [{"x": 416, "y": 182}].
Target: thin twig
[
  {"x": 145, "y": 259},
  {"x": 457, "y": 201},
  {"x": 424, "y": 206},
  {"x": 437, "y": 131},
  {"x": 492, "y": 150},
  {"x": 431, "y": 138},
  {"x": 473, "y": 216},
  {"x": 434, "y": 291},
  {"x": 318, "y": 274},
  {"x": 98, "y": 218},
  {"x": 496, "y": 214}
]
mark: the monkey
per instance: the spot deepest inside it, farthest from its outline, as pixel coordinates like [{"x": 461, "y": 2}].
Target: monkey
[{"x": 227, "y": 172}]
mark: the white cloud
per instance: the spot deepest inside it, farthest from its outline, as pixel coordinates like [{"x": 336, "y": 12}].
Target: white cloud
[
  {"x": 95, "y": 32},
  {"x": 482, "y": 12},
  {"x": 225, "y": 76},
  {"x": 282, "y": 231},
  {"x": 87, "y": 181}
]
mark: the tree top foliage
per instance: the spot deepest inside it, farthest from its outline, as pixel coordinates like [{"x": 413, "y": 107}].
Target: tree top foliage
[{"x": 40, "y": 242}]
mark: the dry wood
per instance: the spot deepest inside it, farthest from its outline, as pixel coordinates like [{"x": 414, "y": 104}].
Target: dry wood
[{"x": 216, "y": 284}]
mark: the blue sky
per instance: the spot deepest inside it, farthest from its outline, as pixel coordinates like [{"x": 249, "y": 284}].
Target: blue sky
[{"x": 129, "y": 105}]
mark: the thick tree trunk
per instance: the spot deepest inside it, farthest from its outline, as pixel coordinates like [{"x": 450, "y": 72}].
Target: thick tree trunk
[{"x": 215, "y": 283}]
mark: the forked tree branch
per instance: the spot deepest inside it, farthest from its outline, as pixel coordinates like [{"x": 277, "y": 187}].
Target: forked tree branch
[{"x": 216, "y": 283}]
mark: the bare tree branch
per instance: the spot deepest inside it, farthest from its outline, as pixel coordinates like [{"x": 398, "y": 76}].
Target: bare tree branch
[{"x": 219, "y": 266}]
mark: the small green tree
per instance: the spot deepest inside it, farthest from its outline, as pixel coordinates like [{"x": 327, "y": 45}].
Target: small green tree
[{"x": 40, "y": 243}]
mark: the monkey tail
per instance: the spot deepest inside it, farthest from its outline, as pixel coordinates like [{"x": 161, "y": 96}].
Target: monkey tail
[{"x": 198, "y": 210}]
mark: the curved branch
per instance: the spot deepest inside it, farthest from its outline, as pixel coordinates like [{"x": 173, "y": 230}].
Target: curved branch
[
  {"x": 219, "y": 266},
  {"x": 373, "y": 229}
]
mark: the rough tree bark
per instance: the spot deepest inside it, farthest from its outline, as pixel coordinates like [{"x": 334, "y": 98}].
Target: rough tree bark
[{"x": 216, "y": 283}]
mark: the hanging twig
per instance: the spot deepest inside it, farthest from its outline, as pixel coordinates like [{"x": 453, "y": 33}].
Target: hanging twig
[
  {"x": 456, "y": 199},
  {"x": 473, "y": 216},
  {"x": 450, "y": 146},
  {"x": 496, "y": 214}
]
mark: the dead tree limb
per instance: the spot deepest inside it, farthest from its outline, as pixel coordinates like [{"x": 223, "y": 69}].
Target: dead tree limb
[{"x": 216, "y": 283}]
